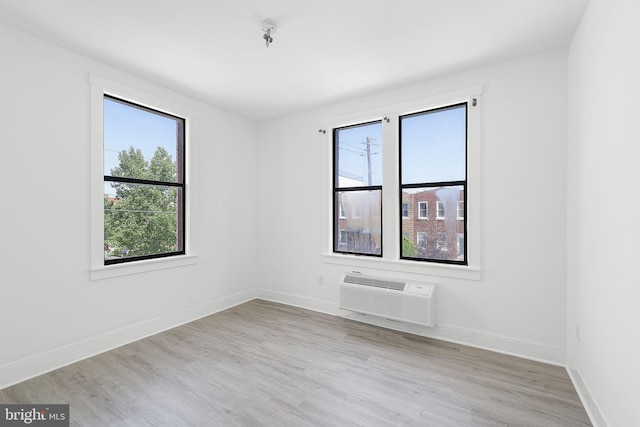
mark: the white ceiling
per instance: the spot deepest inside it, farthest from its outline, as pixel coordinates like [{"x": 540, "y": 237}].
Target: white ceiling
[{"x": 323, "y": 51}]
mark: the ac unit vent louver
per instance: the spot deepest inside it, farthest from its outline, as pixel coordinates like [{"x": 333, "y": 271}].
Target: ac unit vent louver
[
  {"x": 408, "y": 301},
  {"x": 377, "y": 282}
]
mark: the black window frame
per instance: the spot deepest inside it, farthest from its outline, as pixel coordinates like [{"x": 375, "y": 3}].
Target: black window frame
[
  {"x": 337, "y": 190},
  {"x": 180, "y": 184},
  {"x": 461, "y": 183}
]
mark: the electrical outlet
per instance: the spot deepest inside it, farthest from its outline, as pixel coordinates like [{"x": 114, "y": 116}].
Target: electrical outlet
[{"x": 321, "y": 279}]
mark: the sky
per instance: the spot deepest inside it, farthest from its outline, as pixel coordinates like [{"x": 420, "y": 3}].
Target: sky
[
  {"x": 352, "y": 157},
  {"x": 433, "y": 148},
  {"x": 126, "y": 126}
]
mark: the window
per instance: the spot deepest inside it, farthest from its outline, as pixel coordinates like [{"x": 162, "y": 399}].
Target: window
[
  {"x": 460, "y": 245},
  {"x": 342, "y": 238},
  {"x": 433, "y": 167},
  {"x": 144, "y": 182},
  {"x": 423, "y": 210},
  {"x": 439, "y": 210},
  {"x": 460, "y": 210},
  {"x": 405, "y": 210},
  {"x": 431, "y": 149},
  {"x": 357, "y": 188},
  {"x": 342, "y": 213}
]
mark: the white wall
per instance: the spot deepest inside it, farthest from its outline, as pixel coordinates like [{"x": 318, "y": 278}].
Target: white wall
[
  {"x": 50, "y": 312},
  {"x": 603, "y": 233},
  {"x": 519, "y": 304},
  {"x": 269, "y": 179}
]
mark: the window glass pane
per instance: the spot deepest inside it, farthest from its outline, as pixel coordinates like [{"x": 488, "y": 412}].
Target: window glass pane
[
  {"x": 433, "y": 146},
  {"x": 434, "y": 239},
  {"x": 359, "y": 231},
  {"x": 141, "y": 220},
  {"x": 141, "y": 144},
  {"x": 358, "y": 155}
]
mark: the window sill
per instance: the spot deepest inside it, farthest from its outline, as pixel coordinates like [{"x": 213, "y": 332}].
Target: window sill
[
  {"x": 415, "y": 267},
  {"x": 135, "y": 267}
]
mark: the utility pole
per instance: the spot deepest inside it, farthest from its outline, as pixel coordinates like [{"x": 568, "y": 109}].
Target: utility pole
[{"x": 369, "y": 179}]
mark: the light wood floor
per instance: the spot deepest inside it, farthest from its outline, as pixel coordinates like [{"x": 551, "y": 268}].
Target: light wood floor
[{"x": 267, "y": 364}]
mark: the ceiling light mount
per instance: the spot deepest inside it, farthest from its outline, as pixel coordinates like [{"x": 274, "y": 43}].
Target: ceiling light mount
[{"x": 269, "y": 28}]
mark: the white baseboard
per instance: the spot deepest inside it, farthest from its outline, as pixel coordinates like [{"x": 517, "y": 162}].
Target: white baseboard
[
  {"x": 593, "y": 410},
  {"x": 487, "y": 341},
  {"x": 39, "y": 364},
  {"x": 314, "y": 304}
]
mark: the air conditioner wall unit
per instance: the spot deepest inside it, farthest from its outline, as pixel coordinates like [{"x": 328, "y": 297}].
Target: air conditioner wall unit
[{"x": 396, "y": 299}]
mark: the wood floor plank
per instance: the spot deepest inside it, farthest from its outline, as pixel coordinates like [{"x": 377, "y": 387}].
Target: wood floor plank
[{"x": 268, "y": 364}]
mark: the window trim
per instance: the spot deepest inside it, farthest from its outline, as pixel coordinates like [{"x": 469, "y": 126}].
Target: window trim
[
  {"x": 391, "y": 261},
  {"x": 100, "y": 87}
]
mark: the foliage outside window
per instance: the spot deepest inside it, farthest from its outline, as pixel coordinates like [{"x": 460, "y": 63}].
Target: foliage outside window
[{"x": 144, "y": 182}]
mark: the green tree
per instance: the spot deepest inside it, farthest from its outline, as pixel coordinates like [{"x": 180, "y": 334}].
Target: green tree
[
  {"x": 408, "y": 248},
  {"x": 142, "y": 218}
]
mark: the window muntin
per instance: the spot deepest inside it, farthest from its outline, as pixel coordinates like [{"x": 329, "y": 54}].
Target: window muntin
[
  {"x": 357, "y": 178},
  {"x": 433, "y": 168},
  {"x": 144, "y": 176}
]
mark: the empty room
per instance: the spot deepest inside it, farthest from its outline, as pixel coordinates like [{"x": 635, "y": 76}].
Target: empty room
[{"x": 338, "y": 213}]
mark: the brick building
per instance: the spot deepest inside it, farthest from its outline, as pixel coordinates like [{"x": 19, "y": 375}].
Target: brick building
[{"x": 433, "y": 221}]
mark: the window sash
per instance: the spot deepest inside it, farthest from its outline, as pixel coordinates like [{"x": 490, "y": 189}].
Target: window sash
[
  {"x": 357, "y": 227},
  {"x": 440, "y": 206},
  {"x": 179, "y": 184}
]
